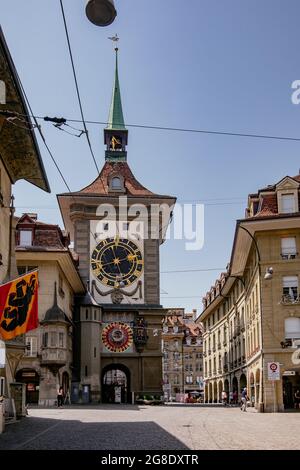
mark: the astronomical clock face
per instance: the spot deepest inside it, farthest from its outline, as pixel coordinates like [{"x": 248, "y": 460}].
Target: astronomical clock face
[
  {"x": 117, "y": 337},
  {"x": 116, "y": 262}
]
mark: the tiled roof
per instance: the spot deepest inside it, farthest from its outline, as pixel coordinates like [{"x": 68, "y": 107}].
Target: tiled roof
[{"x": 100, "y": 186}]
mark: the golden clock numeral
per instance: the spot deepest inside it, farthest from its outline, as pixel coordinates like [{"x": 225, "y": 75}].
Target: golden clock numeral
[{"x": 97, "y": 271}]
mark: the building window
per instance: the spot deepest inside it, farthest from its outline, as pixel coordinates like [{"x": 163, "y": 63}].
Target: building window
[
  {"x": 290, "y": 288},
  {"x": 176, "y": 381},
  {"x": 26, "y": 269},
  {"x": 86, "y": 371},
  {"x": 60, "y": 286},
  {"x": 53, "y": 339},
  {"x": 45, "y": 340},
  {"x": 116, "y": 183},
  {"x": 292, "y": 328},
  {"x": 31, "y": 347},
  {"x": 105, "y": 226},
  {"x": 2, "y": 386},
  {"x": 288, "y": 203},
  {"x": 25, "y": 237},
  {"x": 86, "y": 314},
  {"x": 61, "y": 340},
  {"x": 95, "y": 315},
  {"x": 288, "y": 248}
]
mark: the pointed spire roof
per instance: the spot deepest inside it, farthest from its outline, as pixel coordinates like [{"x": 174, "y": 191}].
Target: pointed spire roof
[
  {"x": 116, "y": 118},
  {"x": 55, "y": 314}
]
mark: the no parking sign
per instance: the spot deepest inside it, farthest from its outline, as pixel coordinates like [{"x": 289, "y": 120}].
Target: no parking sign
[{"x": 273, "y": 371}]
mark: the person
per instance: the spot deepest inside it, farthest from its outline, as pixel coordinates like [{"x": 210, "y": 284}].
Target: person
[
  {"x": 224, "y": 398},
  {"x": 244, "y": 399},
  {"x": 230, "y": 398},
  {"x": 60, "y": 397},
  {"x": 297, "y": 398},
  {"x": 235, "y": 397}
]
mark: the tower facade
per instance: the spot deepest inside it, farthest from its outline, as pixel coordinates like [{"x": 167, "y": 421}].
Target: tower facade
[{"x": 117, "y": 226}]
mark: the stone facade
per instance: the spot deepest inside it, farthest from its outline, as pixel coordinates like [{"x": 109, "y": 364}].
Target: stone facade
[
  {"x": 49, "y": 353},
  {"x": 251, "y": 315},
  {"x": 182, "y": 355}
]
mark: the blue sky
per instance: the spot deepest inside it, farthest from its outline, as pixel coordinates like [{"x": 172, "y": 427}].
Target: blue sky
[{"x": 206, "y": 64}]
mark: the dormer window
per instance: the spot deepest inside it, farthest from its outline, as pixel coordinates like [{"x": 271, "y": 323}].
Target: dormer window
[
  {"x": 288, "y": 203},
  {"x": 116, "y": 183},
  {"x": 25, "y": 238}
]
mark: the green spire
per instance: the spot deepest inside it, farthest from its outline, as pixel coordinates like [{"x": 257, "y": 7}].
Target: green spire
[{"x": 116, "y": 119}]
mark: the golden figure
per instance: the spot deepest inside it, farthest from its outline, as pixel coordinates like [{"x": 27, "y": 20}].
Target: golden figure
[{"x": 115, "y": 142}]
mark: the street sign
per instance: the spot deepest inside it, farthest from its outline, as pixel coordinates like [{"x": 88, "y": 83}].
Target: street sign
[
  {"x": 273, "y": 371},
  {"x": 289, "y": 372}
]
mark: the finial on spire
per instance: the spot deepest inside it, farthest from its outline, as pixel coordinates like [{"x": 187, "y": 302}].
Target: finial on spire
[{"x": 115, "y": 39}]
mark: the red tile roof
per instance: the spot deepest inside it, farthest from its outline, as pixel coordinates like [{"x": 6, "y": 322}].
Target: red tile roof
[{"x": 101, "y": 184}]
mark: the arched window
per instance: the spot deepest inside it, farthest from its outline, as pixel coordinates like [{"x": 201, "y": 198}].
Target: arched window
[{"x": 116, "y": 183}]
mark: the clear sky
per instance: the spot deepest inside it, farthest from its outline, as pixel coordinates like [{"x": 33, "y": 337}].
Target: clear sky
[{"x": 221, "y": 65}]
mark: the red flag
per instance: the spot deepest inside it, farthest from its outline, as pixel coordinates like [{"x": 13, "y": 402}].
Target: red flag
[{"x": 19, "y": 306}]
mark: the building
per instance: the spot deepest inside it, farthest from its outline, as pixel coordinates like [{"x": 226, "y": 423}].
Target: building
[
  {"x": 48, "y": 359},
  {"x": 19, "y": 159},
  {"x": 182, "y": 355},
  {"x": 117, "y": 237},
  {"x": 251, "y": 315}
]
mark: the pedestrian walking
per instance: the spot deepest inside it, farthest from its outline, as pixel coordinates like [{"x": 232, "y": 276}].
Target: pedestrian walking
[
  {"x": 224, "y": 398},
  {"x": 245, "y": 398},
  {"x": 230, "y": 398},
  {"x": 297, "y": 399},
  {"x": 60, "y": 397}
]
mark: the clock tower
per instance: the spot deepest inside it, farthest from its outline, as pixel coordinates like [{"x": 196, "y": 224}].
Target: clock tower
[{"x": 117, "y": 226}]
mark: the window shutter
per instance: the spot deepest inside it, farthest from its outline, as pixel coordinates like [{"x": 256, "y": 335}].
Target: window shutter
[{"x": 288, "y": 246}]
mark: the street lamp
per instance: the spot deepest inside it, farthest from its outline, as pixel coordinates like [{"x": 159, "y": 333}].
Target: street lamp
[{"x": 101, "y": 12}]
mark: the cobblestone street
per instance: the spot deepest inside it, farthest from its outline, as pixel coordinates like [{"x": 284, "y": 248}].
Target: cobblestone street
[{"x": 146, "y": 428}]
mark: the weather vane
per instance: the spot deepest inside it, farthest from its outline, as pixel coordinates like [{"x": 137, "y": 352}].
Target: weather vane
[{"x": 115, "y": 39}]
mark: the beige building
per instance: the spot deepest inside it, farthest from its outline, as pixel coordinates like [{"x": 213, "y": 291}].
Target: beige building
[
  {"x": 19, "y": 159},
  {"x": 182, "y": 354},
  {"x": 49, "y": 348},
  {"x": 251, "y": 315}
]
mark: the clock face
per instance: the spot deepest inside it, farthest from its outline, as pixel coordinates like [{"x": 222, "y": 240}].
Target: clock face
[
  {"x": 115, "y": 261},
  {"x": 117, "y": 337}
]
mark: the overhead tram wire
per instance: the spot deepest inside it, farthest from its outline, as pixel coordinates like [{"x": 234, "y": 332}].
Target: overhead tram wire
[
  {"x": 77, "y": 91},
  {"x": 163, "y": 128},
  {"x": 196, "y": 131}
]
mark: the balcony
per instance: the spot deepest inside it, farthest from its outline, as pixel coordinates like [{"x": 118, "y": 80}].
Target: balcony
[
  {"x": 54, "y": 357},
  {"x": 287, "y": 256},
  {"x": 237, "y": 331},
  {"x": 288, "y": 299}
]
